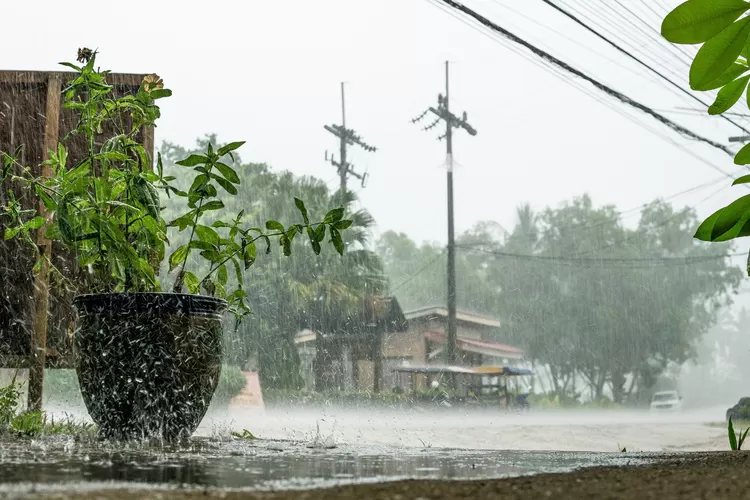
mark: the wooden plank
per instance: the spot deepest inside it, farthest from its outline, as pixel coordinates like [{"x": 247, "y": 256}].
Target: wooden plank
[
  {"x": 42, "y": 77},
  {"x": 148, "y": 145},
  {"x": 41, "y": 282}
]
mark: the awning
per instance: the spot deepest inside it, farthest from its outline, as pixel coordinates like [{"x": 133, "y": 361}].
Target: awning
[
  {"x": 476, "y": 370},
  {"x": 493, "y": 349}
]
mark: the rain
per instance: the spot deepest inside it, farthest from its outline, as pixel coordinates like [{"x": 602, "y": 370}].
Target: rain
[{"x": 263, "y": 249}]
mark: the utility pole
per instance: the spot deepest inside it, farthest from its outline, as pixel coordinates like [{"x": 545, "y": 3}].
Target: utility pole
[
  {"x": 347, "y": 137},
  {"x": 442, "y": 112}
]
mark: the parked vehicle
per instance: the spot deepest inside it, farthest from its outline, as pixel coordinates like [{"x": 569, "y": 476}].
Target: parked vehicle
[{"x": 666, "y": 401}]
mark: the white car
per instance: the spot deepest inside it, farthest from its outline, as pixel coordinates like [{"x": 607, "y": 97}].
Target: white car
[{"x": 666, "y": 401}]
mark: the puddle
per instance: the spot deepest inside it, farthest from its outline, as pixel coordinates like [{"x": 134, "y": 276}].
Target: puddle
[{"x": 62, "y": 463}]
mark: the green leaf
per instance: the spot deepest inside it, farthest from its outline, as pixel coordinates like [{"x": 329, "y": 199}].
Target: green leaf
[
  {"x": 342, "y": 224},
  {"x": 249, "y": 254},
  {"x": 334, "y": 215},
  {"x": 192, "y": 283},
  {"x": 741, "y": 180},
  {"x": 229, "y": 147},
  {"x": 198, "y": 183},
  {"x": 211, "y": 256},
  {"x": 697, "y": 21},
  {"x": 193, "y": 161},
  {"x": 273, "y": 225},
  {"x": 732, "y": 435},
  {"x": 222, "y": 274},
  {"x": 160, "y": 93},
  {"x": 70, "y": 65},
  {"x": 207, "y": 234},
  {"x": 35, "y": 223},
  {"x": 743, "y": 435},
  {"x": 228, "y": 186},
  {"x": 286, "y": 240},
  {"x": 47, "y": 200},
  {"x": 147, "y": 196},
  {"x": 735, "y": 71},
  {"x": 338, "y": 243},
  {"x": 728, "y": 96},
  {"x": 718, "y": 54},
  {"x": 727, "y": 223},
  {"x": 201, "y": 245},
  {"x": 11, "y": 232},
  {"x": 228, "y": 172},
  {"x": 302, "y": 209},
  {"x": 177, "y": 257},
  {"x": 319, "y": 233},
  {"x": 743, "y": 155},
  {"x": 211, "y": 205}
]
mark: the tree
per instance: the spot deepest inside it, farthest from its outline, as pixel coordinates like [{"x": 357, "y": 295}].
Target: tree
[{"x": 602, "y": 300}]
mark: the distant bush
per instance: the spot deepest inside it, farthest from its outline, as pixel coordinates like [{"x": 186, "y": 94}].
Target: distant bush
[{"x": 231, "y": 383}]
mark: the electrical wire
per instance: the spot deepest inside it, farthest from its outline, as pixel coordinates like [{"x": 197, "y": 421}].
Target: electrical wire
[
  {"x": 419, "y": 271},
  {"x": 510, "y": 41},
  {"x": 641, "y": 233},
  {"x": 612, "y": 260},
  {"x": 638, "y": 60},
  {"x": 596, "y": 83}
]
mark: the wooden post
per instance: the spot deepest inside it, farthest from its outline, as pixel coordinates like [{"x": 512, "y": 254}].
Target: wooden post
[{"x": 41, "y": 282}]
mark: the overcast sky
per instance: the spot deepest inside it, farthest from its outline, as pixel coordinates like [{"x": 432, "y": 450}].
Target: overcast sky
[{"x": 268, "y": 72}]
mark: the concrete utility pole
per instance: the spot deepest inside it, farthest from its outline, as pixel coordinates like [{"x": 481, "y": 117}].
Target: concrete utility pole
[
  {"x": 451, "y": 121},
  {"x": 347, "y": 137}
]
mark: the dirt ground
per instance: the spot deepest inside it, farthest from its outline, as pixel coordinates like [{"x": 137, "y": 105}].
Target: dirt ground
[{"x": 687, "y": 476}]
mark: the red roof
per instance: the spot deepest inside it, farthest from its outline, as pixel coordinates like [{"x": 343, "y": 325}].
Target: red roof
[{"x": 480, "y": 344}]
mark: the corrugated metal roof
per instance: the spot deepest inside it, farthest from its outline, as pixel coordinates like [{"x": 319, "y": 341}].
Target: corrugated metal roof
[{"x": 465, "y": 316}]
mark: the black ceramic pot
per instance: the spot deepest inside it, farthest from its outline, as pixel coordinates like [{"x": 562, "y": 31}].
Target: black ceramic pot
[{"x": 148, "y": 363}]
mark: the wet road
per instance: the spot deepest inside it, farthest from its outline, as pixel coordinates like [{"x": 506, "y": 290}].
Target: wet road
[
  {"x": 328, "y": 446},
  {"x": 62, "y": 463},
  {"x": 590, "y": 431}
]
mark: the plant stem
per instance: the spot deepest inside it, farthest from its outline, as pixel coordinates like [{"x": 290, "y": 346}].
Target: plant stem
[{"x": 179, "y": 281}]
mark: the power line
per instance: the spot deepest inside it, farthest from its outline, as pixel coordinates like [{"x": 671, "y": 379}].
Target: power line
[
  {"x": 638, "y": 60},
  {"x": 618, "y": 33},
  {"x": 639, "y": 234},
  {"x": 419, "y": 271},
  {"x": 558, "y": 73},
  {"x": 565, "y": 66},
  {"x": 597, "y": 260}
]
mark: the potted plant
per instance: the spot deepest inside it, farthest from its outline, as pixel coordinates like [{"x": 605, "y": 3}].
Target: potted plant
[{"x": 148, "y": 361}]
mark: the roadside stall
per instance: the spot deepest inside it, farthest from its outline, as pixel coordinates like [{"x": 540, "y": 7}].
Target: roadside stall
[{"x": 484, "y": 385}]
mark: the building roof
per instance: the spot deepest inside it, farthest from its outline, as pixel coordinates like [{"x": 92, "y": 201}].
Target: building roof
[
  {"x": 479, "y": 346},
  {"x": 465, "y": 316}
]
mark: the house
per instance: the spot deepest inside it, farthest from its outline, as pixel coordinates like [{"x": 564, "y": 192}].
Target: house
[
  {"x": 364, "y": 358},
  {"x": 425, "y": 340},
  {"x": 349, "y": 358}
]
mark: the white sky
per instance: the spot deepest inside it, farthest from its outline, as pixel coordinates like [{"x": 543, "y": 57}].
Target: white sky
[{"x": 268, "y": 72}]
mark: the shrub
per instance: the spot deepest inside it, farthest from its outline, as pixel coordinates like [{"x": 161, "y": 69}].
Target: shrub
[{"x": 231, "y": 383}]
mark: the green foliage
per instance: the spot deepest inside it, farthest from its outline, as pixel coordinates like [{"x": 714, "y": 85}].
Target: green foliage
[
  {"x": 231, "y": 383},
  {"x": 10, "y": 395},
  {"x": 106, "y": 207},
  {"x": 736, "y": 440},
  {"x": 33, "y": 423},
  {"x": 245, "y": 435},
  {"x": 721, "y": 62}
]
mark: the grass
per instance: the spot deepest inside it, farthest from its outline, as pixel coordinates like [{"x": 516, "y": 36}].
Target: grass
[
  {"x": 34, "y": 423},
  {"x": 736, "y": 439}
]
